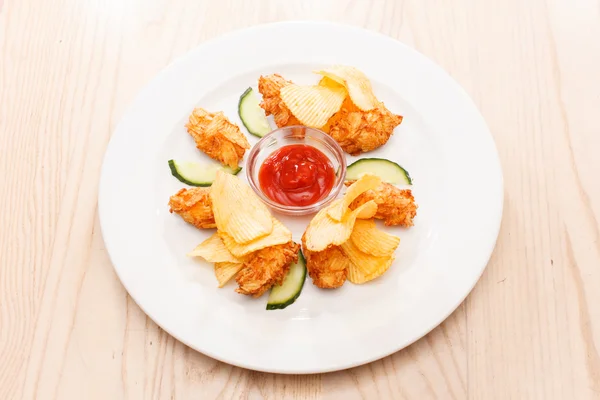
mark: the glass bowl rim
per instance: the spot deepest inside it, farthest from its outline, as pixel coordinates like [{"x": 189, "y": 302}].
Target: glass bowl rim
[{"x": 334, "y": 148}]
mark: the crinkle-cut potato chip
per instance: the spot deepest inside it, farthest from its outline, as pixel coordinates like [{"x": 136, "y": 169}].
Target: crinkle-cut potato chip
[
  {"x": 368, "y": 239},
  {"x": 213, "y": 250},
  {"x": 279, "y": 235},
  {"x": 313, "y": 105},
  {"x": 323, "y": 231},
  {"x": 366, "y": 182},
  {"x": 330, "y": 83},
  {"x": 238, "y": 211},
  {"x": 367, "y": 212},
  {"x": 224, "y": 271},
  {"x": 358, "y": 85},
  {"x": 357, "y": 276},
  {"x": 364, "y": 267}
]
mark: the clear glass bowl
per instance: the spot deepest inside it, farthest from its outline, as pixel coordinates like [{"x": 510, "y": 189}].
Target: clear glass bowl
[{"x": 296, "y": 134}]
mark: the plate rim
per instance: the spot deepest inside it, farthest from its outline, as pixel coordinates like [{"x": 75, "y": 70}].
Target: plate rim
[{"x": 281, "y": 25}]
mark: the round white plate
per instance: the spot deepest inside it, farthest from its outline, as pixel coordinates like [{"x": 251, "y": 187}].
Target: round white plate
[{"x": 443, "y": 142}]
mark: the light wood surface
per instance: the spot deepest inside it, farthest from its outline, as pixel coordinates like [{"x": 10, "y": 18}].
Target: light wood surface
[{"x": 529, "y": 330}]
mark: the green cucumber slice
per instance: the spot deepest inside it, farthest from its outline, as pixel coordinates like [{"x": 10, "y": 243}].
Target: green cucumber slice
[
  {"x": 197, "y": 174},
  {"x": 387, "y": 170},
  {"x": 253, "y": 117},
  {"x": 284, "y": 295}
]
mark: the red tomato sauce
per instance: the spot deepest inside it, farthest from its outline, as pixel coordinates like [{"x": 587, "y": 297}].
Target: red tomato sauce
[{"x": 296, "y": 175}]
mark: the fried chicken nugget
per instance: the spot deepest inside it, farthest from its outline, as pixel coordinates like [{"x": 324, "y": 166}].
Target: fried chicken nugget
[
  {"x": 328, "y": 269},
  {"x": 270, "y": 87},
  {"x": 394, "y": 206},
  {"x": 359, "y": 131},
  {"x": 194, "y": 206},
  {"x": 265, "y": 268},
  {"x": 216, "y": 136}
]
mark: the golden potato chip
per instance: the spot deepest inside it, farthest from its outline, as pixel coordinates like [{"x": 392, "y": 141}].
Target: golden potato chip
[
  {"x": 346, "y": 104},
  {"x": 224, "y": 271},
  {"x": 279, "y": 235},
  {"x": 368, "y": 212},
  {"x": 356, "y": 275},
  {"x": 358, "y": 85},
  {"x": 213, "y": 250},
  {"x": 313, "y": 105},
  {"x": 330, "y": 83},
  {"x": 332, "y": 77},
  {"x": 366, "y": 182},
  {"x": 368, "y": 239},
  {"x": 364, "y": 267},
  {"x": 238, "y": 211},
  {"x": 323, "y": 231}
]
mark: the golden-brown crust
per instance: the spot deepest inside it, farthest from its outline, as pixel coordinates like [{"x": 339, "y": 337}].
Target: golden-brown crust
[
  {"x": 265, "y": 268},
  {"x": 216, "y": 136},
  {"x": 360, "y": 131},
  {"x": 270, "y": 87},
  {"x": 394, "y": 206},
  {"x": 328, "y": 269},
  {"x": 194, "y": 206}
]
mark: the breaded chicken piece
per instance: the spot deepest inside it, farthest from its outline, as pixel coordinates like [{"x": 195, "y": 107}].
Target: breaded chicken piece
[
  {"x": 265, "y": 268},
  {"x": 359, "y": 131},
  {"x": 270, "y": 86},
  {"x": 394, "y": 206},
  {"x": 216, "y": 136},
  {"x": 194, "y": 206},
  {"x": 328, "y": 269},
  {"x": 356, "y": 131}
]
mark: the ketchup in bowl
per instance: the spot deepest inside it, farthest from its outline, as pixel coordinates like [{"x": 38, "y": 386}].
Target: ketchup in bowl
[{"x": 296, "y": 175}]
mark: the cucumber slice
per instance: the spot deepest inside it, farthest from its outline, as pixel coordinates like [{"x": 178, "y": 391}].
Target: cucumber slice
[
  {"x": 196, "y": 174},
  {"x": 284, "y": 295},
  {"x": 387, "y": 170},
  {"x": 252, "y": 116}
]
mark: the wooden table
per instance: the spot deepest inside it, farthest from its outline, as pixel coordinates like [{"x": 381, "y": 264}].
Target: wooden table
[{"x": 529, "y": 330}]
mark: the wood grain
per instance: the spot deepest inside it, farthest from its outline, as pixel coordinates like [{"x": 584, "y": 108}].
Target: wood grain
[{"x": 529, "y": 330}]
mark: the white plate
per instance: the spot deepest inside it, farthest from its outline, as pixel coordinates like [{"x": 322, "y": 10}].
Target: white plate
[{"x": 443, "y": 142}]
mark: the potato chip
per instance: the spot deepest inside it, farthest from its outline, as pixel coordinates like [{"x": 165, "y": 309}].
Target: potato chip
[
  {"x": 213, "y": 250},
  {"x": 279, "y": 235},
  {"x": 364, "y": 267},
  {"x": 313, "y": 105},
  {"x": 323, "y": 231},
  {"x": 356, "y": 275},
  {"x": 330, "y": 83},
  {"x": 369, "y": 211},
  {"x": 224, "y": 271},
  {"x": 368, "y": 239},
  {"x": 358, "y": 85},
  {"x": 366, "y": 182},
  {"x": 238, "y": 211}
]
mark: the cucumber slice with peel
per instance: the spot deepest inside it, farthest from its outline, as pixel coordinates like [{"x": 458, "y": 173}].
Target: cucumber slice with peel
[
  {"x": 387, "y": 170},
  {"x": 284, "y": 295},
  {"x": 252, "y": 115},
  {"x": 198, "y": 174}
]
